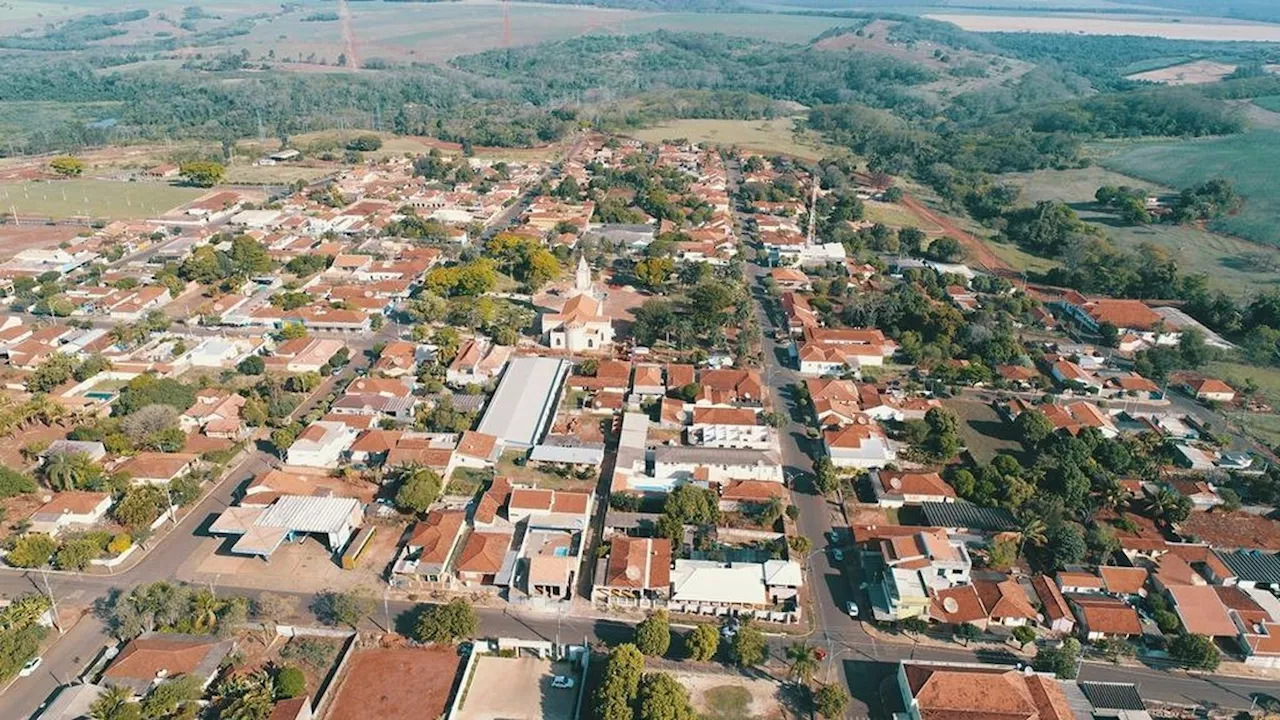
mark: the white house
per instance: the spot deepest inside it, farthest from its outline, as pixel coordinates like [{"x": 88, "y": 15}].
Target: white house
[
  {"x": 321, "y": 444},
  {"x": 862, "y": 445}
]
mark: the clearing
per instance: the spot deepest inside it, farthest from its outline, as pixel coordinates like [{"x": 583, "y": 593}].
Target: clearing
[
  {"x": 1189, "y": 28},
  {"x": 732, "y": 697},
  {"x": 98, "y": 199},
  {"x": 1192, "y": 73},
  {"x": 984, "y": 432},
  {"x": 1230, "y": 262},
  {"x": 373, "y": 683},
  {"x": 1248, "y": 160},
  {"x": 1263, "y": 426},
  {"x": 765, "y": 136}
]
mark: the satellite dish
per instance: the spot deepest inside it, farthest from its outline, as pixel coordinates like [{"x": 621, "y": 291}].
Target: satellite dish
[
  {"x": 950, "y": 605},
  {"x": 633, "y": 573},
  {"x": 895, "y": 482}
]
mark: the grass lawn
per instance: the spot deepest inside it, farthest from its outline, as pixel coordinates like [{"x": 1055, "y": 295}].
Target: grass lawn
[
  {"x": 1248, "y": 159},
  {"x": 984, "y": 432},
  {"x": 104, "y": 199},
  {"x": 1231, "y": 263},
  {"x": 523, "y": 473},
  {"x": 897, "y": 216},
  {"x": 246, "y": 174},
  {"x": 727, "y": 702},
  {"x": 1264, "y": 426},
  {"x": 467, "y": 481},
  {"x": 766, "y": 136}
]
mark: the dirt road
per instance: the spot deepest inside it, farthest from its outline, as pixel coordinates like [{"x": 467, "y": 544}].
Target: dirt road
[
  {"x": 975, "y": 248},
  {"x": 348, "y": 35}
]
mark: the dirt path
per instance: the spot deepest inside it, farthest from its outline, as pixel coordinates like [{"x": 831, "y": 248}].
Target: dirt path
[
  {"x": 348, "y": 35},
  {"x": 975, "y": 248}
]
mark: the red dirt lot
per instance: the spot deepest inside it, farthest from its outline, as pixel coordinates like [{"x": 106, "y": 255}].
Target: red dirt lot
[
  {"x": 396, "y": 684},
  {"x": 16, "y": 238}
]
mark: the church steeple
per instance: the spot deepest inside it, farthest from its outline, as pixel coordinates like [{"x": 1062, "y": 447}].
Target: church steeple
[{"x": 582, "y": 281}]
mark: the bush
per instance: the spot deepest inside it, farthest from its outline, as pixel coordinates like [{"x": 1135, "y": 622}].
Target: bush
[
  {"x": 446, "y": 623},
  {"x": 702, "y": 643},
  {"x": 252, "y": 365},
  {"x": 290, "y": 682},
  {"x": 32, "y": 550},
  {"x": 75, "y": 553},
  {"x": 119, "y": 544}
]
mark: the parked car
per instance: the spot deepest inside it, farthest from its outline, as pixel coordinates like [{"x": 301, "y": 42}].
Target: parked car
[
  {"x": 852, "y": 608},
  {"x": 30, "y": 667},
  {"x": 837, "y": 555},
  {"x": 561, "y": 681}
]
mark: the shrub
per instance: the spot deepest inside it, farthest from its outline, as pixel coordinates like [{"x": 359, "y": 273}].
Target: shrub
[{"x": 290, "y": 682}]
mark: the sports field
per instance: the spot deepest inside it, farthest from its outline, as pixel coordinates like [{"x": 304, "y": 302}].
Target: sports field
[
  {"x": 1231, "y": 263},
  {"x": 1248, "y": 159},
  {"x": 99, "y": 199},
  {"x": 765, "y": 136}
]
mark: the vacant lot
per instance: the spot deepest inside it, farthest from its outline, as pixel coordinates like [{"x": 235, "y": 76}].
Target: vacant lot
[
  {"x": 765, "y": 136},
  {"x": 1230, "y": 262},
  {"x": 374, "y": 683},
  {"x": 984, "y": 432},
  {"x": 1183, "y": 29},
  {"x": 518, "y": 688},
  {"x": 94, "y": 199},
  {"x": 732, "y": 697},
  {"x": 897, "y": 216},
  {"x": 1192, "y": 73}
]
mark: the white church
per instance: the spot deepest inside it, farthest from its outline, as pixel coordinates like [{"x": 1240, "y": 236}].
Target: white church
[{"x": 581, "y": 325}]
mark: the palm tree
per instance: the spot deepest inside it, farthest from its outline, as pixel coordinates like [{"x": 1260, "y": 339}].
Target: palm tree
[
  {"x": 204, "y": 610},
  {"x": 247, "y": 697},
  {"x": 43, "y": 410},
  {"x": 114, "y": 704},
  {"x": 67, "y": 470},
  {"x": 1033, "y": 530},
  {"x": 804, "y": 662}
]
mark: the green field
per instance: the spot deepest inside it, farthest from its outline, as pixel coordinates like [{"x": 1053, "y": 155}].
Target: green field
[
  {"x": 766, "y": 136},
  {"x": 1270, "y": 102},
  {"x": 1231, "y": 263},
  {"x": 1249, "y": 160},
  {"x": 99, "y": 199},
  {"x": 1264, "y": 426}
]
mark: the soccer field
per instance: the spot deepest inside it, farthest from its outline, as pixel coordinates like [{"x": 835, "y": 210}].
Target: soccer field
[{"x": 98, "y": 199}]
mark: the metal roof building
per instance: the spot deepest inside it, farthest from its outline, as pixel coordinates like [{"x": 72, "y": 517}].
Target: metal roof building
[
  {"x": 262, "y": 530},
  {"x": 525, "y": 401},
  {"x": 967, "y": 516},
  {"x": 1253, "y": 567}
]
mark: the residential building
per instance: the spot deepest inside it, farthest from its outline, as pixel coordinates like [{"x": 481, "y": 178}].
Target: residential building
[
  {"x": 1211, "y": 389},
  {"x": 722, "y": 427},
  {"x": 1102, "y": 617},
  {"x": 71, "y": 508},
  {"x": 154, "y": 656},
  {"x": 861, "y": 445},
  {"x": 636, "y": 573},
  {"x": 321, "y": 445},
  {"x": 969, "y": 690},
  {"x": 432, "y": 543},
  {"x": 1057, "y": 615},
  {"x": 477, "y": 363},
  {"x": 157, "y": 468},
  {"x": 895, "y": 488},
  {"x": 763, "y": 590}
]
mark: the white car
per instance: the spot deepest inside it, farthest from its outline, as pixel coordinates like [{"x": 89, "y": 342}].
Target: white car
[
  {"x": 30, "y": 667},
  {"x": 561, "y": 681},
  {"x": 852, "y": 608}
]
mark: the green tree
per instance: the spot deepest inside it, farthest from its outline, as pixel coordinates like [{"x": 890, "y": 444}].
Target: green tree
[
  {"x": 32, "y": 550},
  {"x": 252, "y": 365},
  {"x": 342, "y": 608},
  {"x": 748, "y": 647},
  {"x": 51, "y": 373},
  {"x": 446, "y": 623},
  {"x": 170, "y": 696},
  {"x": 660, "y": 697},
  {"x": 1060, "y": 661},
  {"x": 140, "y": 506},
  {"x": 1066, "y": 545},
  {"x": 69, "y": 470},
  {"x": 418, "y": 490},
  {"x": 824, "y": 475},
  {"x": 702, "y": 642},
  {"x": 67, "y": 166},
  {"x": 1195, "y": 651},
  {"x": 653, "y": 634},
  {"x": 654, "y": 272},
  {"x": 1033, "y": 427},
  {"x": 365, "y": 143},
  {"x": 75, "y": 553},
  {"x": 290, "y": 682},
  {"x": 693, "y": 505},
  {"x": 619, "y": 683},
  {"x": 202, "y": 174},
  {"x": 968, "y": 632},
  {"x": 831, "y": 701},
  {"x": 14, "y": 482},
  {"x": 1024, "y": 634}
]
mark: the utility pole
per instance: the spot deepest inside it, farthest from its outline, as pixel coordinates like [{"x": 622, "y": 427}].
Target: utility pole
[{"x": 53, "y": 602}]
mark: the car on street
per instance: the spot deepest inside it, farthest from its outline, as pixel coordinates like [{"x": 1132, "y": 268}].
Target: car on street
[
  {"x": 729, "y": 629},
  {"x": 562, "y": 682},
  {"x": 30, "y": 667},
  {"x": 852, "y": 608},
  {"x": 837, "y": 555}
]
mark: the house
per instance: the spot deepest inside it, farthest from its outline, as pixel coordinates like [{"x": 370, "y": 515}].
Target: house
[
  {"x": 1202, "y": 494},
  {"x": 381, "y": 397},
  {"x": 483, "y": 556},
  {"x": 1057, "y": 615},
  {"x": 91, "y": 449},
  {"x": 70, "y": 508},
  {"x": 321, "y": 444},
  {"x": 790, "y": 279},
  {"x": 477, "y": 450},
  {"x": 1074, "y": 582},
  {"x": 301, "y": 355},
  {"x": 835, "y": 402},
  {"x": 397, "y": 359},
  {"x": 914, "y": 562},
  {"x": 637, "y": 572},
  {"x": 765, "y": 590},
  {"x": 1211, "y": 390},
  {"x": 1071, "y": 375},
  {"x": 1005, "y": 602},
  {"x": 157, "y": 468},
  {"x": 1101, "y": 617},
  {"x": 895, "y": 488},
  {"x": 738, "y": 494},
  {"x": 730, "y": 386},
  {"x": 861, "y": 445},
  {"x": 153, "y": 656},
  {"x": 677, "y": 464},
  {"x": 549, "y": 508},
  {"x": 431, "y": 544},
  {"x": 955, "y": 690},
  {"x": 1123, "y": 581},
  {"x": 728, "y": 428},
  {"x": 1201, "y": 610},
  {"x": 581, "y": 325},
  {"x": 372, "y": 446},
  {"x": 478, "y": 361},
  {"x": 217, "y": 414}
]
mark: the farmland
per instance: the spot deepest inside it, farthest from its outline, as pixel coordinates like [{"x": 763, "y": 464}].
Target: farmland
[
  {"x": 1191, "y": 73},
  {"x": 1248, "y": 159},
  {"x": 1231, "y": 263},
  {"x": 766, "y": 136},
  {"x": 1184, "y": 28},
  {"x": 102, "y": 199}
]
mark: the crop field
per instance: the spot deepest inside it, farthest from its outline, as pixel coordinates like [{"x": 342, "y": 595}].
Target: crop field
[
  {"x": 765, "y": 136},
  {"x": 1231, "y": 263},
  {"x": 1191, "y": 73},
  {"x": 1249, "y": 160},
  {"x": 1183, "y": 28},
  {"x": 104, "y": 199}
]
